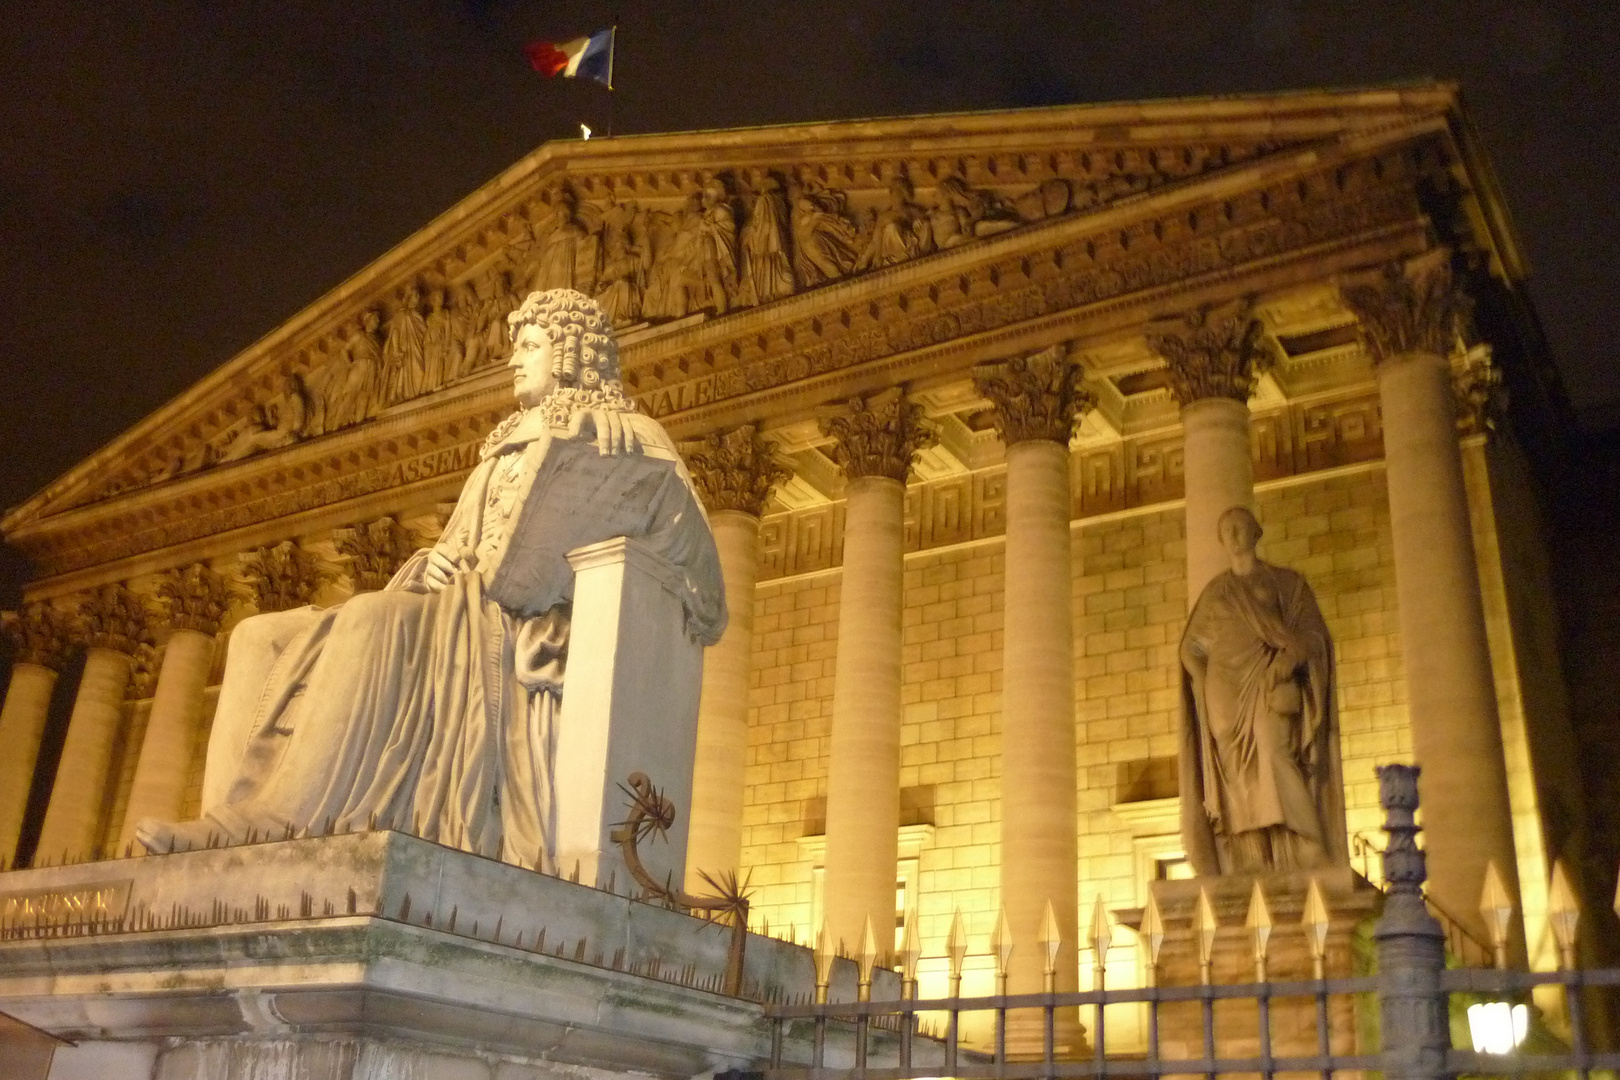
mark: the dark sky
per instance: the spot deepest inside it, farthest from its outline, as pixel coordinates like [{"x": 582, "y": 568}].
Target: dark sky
[{"x": 177, "y": 178}]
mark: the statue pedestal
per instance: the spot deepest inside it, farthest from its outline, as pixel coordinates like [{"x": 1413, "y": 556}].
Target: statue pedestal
[
  {"x": 630, "y": 704},
  {"x": 372, "y": 956},
  {"x": 1352, "y": 905}
]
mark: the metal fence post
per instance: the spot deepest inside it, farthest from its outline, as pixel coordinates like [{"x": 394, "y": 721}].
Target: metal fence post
[{"x": 1411, "y": 944}]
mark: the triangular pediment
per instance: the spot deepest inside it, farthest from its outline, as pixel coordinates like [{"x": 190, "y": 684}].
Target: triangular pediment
[{"x": 675, "y": 231}]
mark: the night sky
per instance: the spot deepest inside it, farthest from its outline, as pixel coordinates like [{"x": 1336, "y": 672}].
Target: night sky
[{"x": 178, "y": 178}]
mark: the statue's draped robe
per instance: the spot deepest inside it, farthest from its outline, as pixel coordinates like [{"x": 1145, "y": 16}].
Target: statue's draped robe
[
  {"x": 1261, "y": 781},
  {"x": 433, "y": 712}
]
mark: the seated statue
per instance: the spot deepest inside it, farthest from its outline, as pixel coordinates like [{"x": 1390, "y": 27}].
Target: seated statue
[
  {"x": 431, "y": 706},
  {"x": 1262, "y": 787}
]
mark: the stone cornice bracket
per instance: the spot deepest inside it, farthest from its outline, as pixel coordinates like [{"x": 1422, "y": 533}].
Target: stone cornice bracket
[
  {"x": 114, "y": 618},
  {"x": 1410, "y": 307},
  {"x": 1213, "y": 351},
  {"x": 39, "y": 634},
  {"x": 876, "y": 435},
  {"x": 375, "y": 551},
  {"x": 734, "y": 470},
  {"x": 1035, "y": 397},
  {"x": 195, "y": 597},
  {"x": 282, "y": 577}
]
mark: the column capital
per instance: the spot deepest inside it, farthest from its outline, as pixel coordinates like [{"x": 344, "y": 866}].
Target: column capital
[
  {"x": 1035, "y": 397},
  {"x": 114, "y": 618},
  {"x": 1406, "y": 307},
  {"x": 734, "y": 470},
  {"x": 282, "y": 577},
  {"x": 195, "y": 597},
  {"x": 39, "y": 634},
  {"x": 876, "y": 435},
  {"x": 1213, "y": 351},
  {"x": 375, "y": 551}
]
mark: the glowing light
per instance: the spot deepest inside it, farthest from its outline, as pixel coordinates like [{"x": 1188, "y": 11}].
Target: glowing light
[
  {"x": 1497, "y": 1027},
  {"x": 584, "y": 131}
]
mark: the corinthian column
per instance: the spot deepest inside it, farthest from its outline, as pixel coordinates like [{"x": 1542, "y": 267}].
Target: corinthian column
[
  {"x": 39, "y": 643},
  {"x": 1407, "y": 315},
  {"x": 196, "y": 601},
  {"x": 874, "y": 440},
  {"x": 734, "y": 473},
  {"x": 112, "y": 624},
  {"x": 282, "y": 577},
  {"x": 375, "y": 551},
  {"x": 1036, "y": 402},
  {"x": 1214, "y": 354}
]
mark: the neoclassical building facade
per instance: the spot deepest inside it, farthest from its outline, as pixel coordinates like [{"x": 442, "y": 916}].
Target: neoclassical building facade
[{"x": 964, "y": 397}]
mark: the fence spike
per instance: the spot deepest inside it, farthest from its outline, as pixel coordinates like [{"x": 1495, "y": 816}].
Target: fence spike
[
  {"x": 1258, "y": 923},
  {"x": 910, "y": 953},
  {"x": 1205, "y": 927},
  {"x": 956, "y": 951},
  {"x": 868, "y": 959},
  {"x": 823, "y": 956},
  {"x": 1497, "y": 907},
  {"x": 1152, "y": 929},
  {"x": 1001, "y": 947},
  {"x": 1051, "y": 941},
  {"x": 1563, "y": 913}
]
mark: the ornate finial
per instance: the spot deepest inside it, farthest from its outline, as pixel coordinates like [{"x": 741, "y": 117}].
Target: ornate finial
[
  {"x": 282, "y": 577},
  {"x": 734, "y": 470},
  {"x": 1001, "y": 950},
  {"x": 876, "y": 435},
  {"x": 956, "y": 951},
  {"x": 868, "y": 960},
  {"x": 1213, "y": 351},
  {"x": 1258, "y": 923},
  {"x": 1496, "y": 905},
  {"x": 1409, "y": 307},
  {"x": 1205, "y": 927},
  {"x": 1316, "y": 920},
  {"x": 1050, "y": 940},
  {"x": 39, "y": 634},
  {"x": 113, "y": 618},
  {"x": 1035, "y": 397},
  {"x": 1102, "y": 936},
  {"x": 1152, "y": 930},
  {"x": 1405, "y": 867},
  {"x": 910, "y": 954},
  {"x": 1563, "y": 914},
  {"x": 196, "y": 598},
  {"x": 824, "y": 956},
  {"x": 375, "y": 551}
]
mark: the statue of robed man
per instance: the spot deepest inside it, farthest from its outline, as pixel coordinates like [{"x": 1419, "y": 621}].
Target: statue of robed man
[
  {"x": 1262, "y": 786},
  {"x": 431, "y": 706}
]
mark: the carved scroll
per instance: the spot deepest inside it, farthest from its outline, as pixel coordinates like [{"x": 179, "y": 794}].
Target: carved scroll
[
  {"x": 734, "y": 470},
  {"x": 1035, "y": 397},
  {"x": 876, "y": 435}
]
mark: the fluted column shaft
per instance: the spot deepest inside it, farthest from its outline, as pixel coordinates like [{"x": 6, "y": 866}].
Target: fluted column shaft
[
  {"x": 159, "y": 787},
  {"x": 1408, "y": 319},
  {"x": 875, "y": 440},
  {"x": 73, "y": 817},
  {"x": 22, "y": 725},
  {"x": 715, "y": 835}
]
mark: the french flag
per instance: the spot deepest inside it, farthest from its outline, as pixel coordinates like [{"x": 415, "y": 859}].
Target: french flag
[{"x": 582, "y": 58}]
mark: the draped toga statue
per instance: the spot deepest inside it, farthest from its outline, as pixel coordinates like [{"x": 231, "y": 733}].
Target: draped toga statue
[
  {"x": 431, "y": 705},
  {"x": 1262, "y": 787}
]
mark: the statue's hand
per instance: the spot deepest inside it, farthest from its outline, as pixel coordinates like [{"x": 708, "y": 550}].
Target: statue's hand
[
  {"x": 439, "y": 570},
  {"x": 613, "y": 435}
]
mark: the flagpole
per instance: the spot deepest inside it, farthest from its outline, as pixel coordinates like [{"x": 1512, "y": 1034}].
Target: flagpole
[{"x": 613, "y": 47}]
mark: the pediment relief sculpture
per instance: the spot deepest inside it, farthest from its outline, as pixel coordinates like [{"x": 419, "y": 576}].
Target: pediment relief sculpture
[{"x": 715, "y": 243}]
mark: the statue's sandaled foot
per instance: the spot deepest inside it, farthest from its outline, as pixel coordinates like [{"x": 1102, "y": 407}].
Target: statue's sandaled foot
[{"x": 162, "y": 837}]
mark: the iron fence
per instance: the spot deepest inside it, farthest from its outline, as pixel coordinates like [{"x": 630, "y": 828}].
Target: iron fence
[{"x": 1398, "y": 1021}]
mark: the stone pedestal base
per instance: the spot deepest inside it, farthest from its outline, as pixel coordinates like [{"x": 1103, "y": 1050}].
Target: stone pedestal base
[
  {"x": 1352, "y": 905},
  {"x": 379, "y": 956}
]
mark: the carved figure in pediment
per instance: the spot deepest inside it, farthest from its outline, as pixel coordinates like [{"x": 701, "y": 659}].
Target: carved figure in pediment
[
  {"x": 625, "y": 256},
  {"x": 404, "y": 352},
  {"x": 767, "y": 273},
  {"x": 825, "y": 242},
  {"x": 676, "y": 271},
  {"x": 439, "y": 342},
  {"x": 901, "y": 231},
  {"x": 432, "y": 704},
  {"x": 472, "y": 309},
  {"x": 357, "y": 397},
  {"x": 717, "y": 249},
  {"x": 281, "y": 421},
  {"x": 966, "y": 213},
  {"x": 562, "y": 256}
]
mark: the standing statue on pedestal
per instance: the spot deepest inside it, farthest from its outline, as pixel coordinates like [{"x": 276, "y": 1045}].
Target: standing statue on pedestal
[
  {"x": 431, "y": 706},
  {"x": 1262, "y": 787}
]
